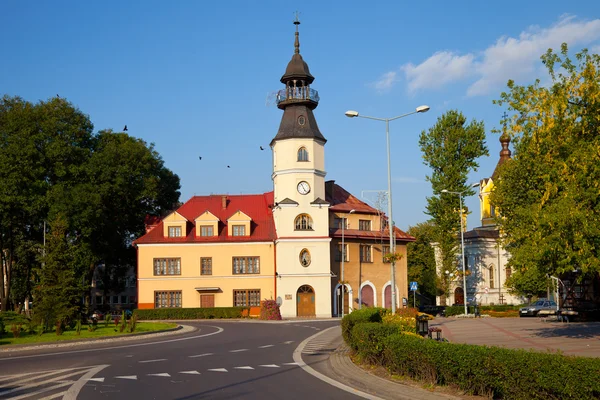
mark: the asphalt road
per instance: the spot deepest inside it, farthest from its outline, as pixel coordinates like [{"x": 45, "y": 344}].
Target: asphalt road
[{"x": 220, "y": 360}]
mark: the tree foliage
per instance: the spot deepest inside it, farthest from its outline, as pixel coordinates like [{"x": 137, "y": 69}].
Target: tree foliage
[
  {"x": 53, "y": 167},
  {"x": 421, "y": 259},
  {"x": 549, "y": 193},
  {"x": 451, "y": 149}
]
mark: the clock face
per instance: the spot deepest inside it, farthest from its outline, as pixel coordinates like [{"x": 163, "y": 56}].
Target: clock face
[{"x": 303, "y": 187}]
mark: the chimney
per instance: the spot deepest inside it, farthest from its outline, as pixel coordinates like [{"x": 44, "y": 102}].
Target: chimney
[{"x": 224, "y": 202}]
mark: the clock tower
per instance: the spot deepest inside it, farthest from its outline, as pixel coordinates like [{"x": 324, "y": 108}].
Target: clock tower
[{"x": 300, "y": 212}]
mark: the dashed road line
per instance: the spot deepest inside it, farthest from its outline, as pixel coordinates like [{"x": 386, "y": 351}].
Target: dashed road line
[
  {"x": 130, "y": 377},
  {"x": 245, "y": 367},
  {"x": 162, "y": 375},
  {"x": 238, "y": 350},
  {"x": 202, "y": 355},
  {"x": 269, "y": 366},
  {"x": 190, "y": 372},
  {"x": 266, "y": 346},
  {"x": 151, "y": 361},
  {"x": 218, "y": 370}
]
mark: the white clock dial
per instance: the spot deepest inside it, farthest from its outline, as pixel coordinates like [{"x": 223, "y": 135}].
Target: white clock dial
[{"x": 303, "y": 187}]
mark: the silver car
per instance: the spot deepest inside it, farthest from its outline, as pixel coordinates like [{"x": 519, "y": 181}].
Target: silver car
[{"x": 532, "y": 310}]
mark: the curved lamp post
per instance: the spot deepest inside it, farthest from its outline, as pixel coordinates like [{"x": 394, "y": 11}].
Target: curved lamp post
[
  {"x": 344, "y": 220},
  {"x": 353, "y": 114}
]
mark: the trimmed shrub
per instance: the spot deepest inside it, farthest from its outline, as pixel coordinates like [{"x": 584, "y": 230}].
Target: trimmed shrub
[
  {"x": 269, "y": 310},
  {"x": 367, "y": 314},
  {"x": 401, "y": 323},
  {"x": 190, "y": 313},
  {"x": 367, "y": 340}
]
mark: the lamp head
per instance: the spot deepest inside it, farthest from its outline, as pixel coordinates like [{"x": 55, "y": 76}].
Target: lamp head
[
  {"x": 444, "y": 191},
  {"x": 351, "y": 211},
  {"x": 420, "y": 109},
  {"x": 351, "y": 114},
  {"x": 476, "y": 184}
]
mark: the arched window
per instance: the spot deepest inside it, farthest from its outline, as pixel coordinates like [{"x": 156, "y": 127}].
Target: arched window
[
  {"x": 303, "y": 222},
  {"x": 492, "y": 280},
  {"x": 302, "y": 154}
]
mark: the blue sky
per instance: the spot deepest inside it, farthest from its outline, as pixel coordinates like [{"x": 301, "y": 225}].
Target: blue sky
[{"x": 194, "y": 77}]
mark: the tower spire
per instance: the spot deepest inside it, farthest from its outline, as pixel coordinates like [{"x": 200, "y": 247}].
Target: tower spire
[{"x": 297, "y": 40}]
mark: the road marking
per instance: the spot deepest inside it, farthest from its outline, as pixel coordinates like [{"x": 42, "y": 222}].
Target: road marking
[
  {"x": 131, "y": 377},
  {"x": 269, "y": 366},
  {"x": 29, "y": 394},
  {"x": 190, "y": 372},
  {"x": 129, "y": 356},
  {"x": 202, "y": 355},
  {"x": 32, "y": 385},
  {"x": 53, "y": 396},
  {"x": 96, "y": 379},
  {"x": 219, "y": 330},
  {"x": 294, "y": 363},
  {"x": 218, "y": 370},
  {"x": 246, "y": 367},
  {"x": 288, "y": 342},
  {"x": 76, "y": 388},
  {"x": 150, "y": 361},
  {"x": 265, "y": 346},
  {"x": 162, "y": 374},
  {"x": 237, "y": 351}
]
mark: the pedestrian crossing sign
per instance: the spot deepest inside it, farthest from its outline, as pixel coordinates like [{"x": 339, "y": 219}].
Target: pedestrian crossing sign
[{"x": 413, "y": 286}]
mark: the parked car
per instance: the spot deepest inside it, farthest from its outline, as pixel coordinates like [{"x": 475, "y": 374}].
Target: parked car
[{"x": 532, "y": 310}]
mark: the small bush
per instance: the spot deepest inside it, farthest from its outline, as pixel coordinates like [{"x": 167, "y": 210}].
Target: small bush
[
  {"x": 366, "y": 314},
  {"x": 107, "y": 319},
  {"x": 190, "y": 313},
  {"x": 367, "y": 340},
  {"x": 269, "y": 310},
  {"x": 78, "y": 327},
  {"x": 132, "y": 324},
  {"x": 16, "y": 330}
]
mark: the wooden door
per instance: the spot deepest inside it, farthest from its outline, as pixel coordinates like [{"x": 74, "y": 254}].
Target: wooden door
[
  {"x": 388, "y": 296},
  {"x": 367, "y": 298},
  {"x": 306, "y": 302},
  {"x": 207, "y": 300},
  {"x": 459, "y": 297}
]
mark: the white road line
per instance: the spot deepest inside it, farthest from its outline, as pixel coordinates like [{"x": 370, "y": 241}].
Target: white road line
[
  {"x": 31, "y": 385},
  {"x": 218, "y": 370},
  {"x": 238, "y": 350},
  {"x": 219, "y": 330},
  {"x": 131, "y": 377},
  {"x": 41, "y": 374},
  {"x": 269, "y": 366},
  {"x": 245, "y": 367},
  {"x": 76, "y": 388},
  {"x": 53, "y": 396},
  {"x": 294, "y": 363},
  {"x": 302, "y": 364},
  {"x": 190, "y": 372},
  {"x": 162, "y": 374},
  {"x": 96, "y": 379},
  {"x": 288, "y": 342},
  {"x": 265, "y": 346},
  {"x": 151, "y": 361},
  {"x": 46, "y": 389},
  {"x": 202, "y": 355}
]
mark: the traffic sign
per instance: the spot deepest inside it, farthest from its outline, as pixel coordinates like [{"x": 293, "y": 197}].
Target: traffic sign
[{"x": 414, "y": 286}]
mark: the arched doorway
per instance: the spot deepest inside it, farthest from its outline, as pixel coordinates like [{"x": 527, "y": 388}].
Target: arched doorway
[
  {"x": 459, "y": 297},
  {"x": 367, "y": 297},
  {"x": 388, "y": 296},
  {"x": 305, "y": 297}
]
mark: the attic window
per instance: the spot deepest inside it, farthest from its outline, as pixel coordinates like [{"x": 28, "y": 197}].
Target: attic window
[
  {"x": 174, "y": 231},
  {"x": 302, "y": 154},
  {"x": 206, "y": 230},
  {"x": 238, "y": 230}
]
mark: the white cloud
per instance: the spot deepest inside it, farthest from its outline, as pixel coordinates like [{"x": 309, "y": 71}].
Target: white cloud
[
  {"x": 386, "y": 81},
  {"x": 508, "y": 58},
  {"x": 441, "y": 68}
]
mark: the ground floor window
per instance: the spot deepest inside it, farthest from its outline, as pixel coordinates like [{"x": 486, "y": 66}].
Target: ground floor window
[
  {"x": 167, "y": 299},
  {"x": 246, "y": 298}
]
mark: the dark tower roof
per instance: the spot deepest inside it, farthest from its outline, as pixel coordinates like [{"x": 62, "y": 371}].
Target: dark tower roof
[
  {"x": 505, "y": 153},
  {"x": 298, "y": 100}
]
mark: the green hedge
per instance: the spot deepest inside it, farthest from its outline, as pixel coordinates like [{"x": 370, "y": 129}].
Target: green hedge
[
  {"x": 191, "y": 313},
  {"x": 492, "y": 372},
  {"x": 459, "y": 310},
  {"x": 367, "y": 314}
]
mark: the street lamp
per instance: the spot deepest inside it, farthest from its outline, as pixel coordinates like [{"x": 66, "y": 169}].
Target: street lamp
[
  {"x": 343, "y": 259},
  {"x": 462, "y": 244},
  {"x": 352, "y": 114}
]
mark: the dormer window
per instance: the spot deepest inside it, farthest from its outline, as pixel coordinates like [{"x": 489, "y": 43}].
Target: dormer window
[
  {"x": 238, "y": 230},
  {"x": 206, "y": 230},
  {"x": 303, "y": 223},
  {"x": 302, "y": 154},
  {"x": 174, "y": 231}
]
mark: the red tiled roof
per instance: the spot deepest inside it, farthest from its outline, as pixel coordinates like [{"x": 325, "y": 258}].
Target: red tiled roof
[
  {"x": 256, "y": 206},
  {"x": 342, "y": 201}
]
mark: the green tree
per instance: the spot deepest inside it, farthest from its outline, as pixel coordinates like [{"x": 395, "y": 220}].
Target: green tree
[
  {"x": 548, "y": 193},
  {"x": 451, "y": 149},
  {"x": 421, "y": 259},
  {"x": 57, "y": 291}
]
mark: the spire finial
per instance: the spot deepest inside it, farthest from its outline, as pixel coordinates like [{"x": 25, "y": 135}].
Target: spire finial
[
  {"x": 297, "y": 41},
  {"x": 504, "y": 137}
]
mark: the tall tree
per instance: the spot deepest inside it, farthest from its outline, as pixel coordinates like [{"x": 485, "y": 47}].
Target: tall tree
[
  {"x": 421, "y": 259},
  {"x": 548, "y": 193},
  {"x": 451, "y": 149}
]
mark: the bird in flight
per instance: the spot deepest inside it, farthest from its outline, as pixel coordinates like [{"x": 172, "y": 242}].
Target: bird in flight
[
  {"x": 261, "y": 148},
  {"x": 125, "y": 128},
  {"x": 228, "y": 166},
  {"x": 199, "y": 157}
]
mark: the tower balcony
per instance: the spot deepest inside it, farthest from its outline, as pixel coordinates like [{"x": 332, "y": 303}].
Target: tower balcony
[{"x": 297, "y": 95}]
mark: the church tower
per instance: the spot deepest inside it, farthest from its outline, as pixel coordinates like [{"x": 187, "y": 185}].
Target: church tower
[{"x": 300, "y": 211}]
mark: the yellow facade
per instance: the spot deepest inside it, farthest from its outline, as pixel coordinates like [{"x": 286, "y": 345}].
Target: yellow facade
[{"x": 221, "y": 283}]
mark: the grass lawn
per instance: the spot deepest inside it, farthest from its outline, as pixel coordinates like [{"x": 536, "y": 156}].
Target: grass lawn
[{"x": 33, "y": 338}]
